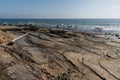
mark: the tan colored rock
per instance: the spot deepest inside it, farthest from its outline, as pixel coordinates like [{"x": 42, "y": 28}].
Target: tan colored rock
[
  {"x": 39, "y": 56},
  {"x": 111, "y": 66},
  {"x": 5, "y": 37}
]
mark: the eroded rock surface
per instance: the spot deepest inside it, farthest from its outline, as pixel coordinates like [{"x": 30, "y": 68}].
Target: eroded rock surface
[
  {"x": 5, "y": 36},
  {"x": 60, "y": 56}
]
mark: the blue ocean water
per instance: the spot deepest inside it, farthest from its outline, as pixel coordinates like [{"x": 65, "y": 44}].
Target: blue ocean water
[
  {"x": 89, "y": 25},
  {"x": 57, "y": 21}
]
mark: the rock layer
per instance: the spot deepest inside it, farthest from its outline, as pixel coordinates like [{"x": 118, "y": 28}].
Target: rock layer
[{"x": 60, "y": 56}]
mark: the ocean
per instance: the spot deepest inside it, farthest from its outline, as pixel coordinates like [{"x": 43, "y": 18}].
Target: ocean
[{"x": 88, "y": 25}]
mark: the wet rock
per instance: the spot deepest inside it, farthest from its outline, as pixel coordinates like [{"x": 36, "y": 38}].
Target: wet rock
[
  {"x": 116, "y": 35},
  {"x": 98, "y": 29}
]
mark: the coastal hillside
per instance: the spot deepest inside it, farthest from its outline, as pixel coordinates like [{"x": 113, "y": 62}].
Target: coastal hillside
[{"x": 48, "y": 54}]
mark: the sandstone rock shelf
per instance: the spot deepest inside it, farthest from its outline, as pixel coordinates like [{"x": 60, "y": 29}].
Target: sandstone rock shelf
[{"x": 60, "y": 55}]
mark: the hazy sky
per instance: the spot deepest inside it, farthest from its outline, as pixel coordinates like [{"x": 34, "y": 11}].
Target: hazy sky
[{"x": 59, "y": 8}]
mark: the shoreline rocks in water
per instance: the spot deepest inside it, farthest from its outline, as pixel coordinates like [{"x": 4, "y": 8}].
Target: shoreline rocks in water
[{"x": 46, "y": 54}]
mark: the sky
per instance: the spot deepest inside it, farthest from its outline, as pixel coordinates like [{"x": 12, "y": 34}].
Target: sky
[{"x": 59, "y": 8}]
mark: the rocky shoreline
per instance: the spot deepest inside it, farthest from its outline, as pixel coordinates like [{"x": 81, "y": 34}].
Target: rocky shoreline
[{"x": 46, "y": 54}]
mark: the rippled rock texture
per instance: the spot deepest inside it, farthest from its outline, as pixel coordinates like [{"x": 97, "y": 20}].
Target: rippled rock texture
[{"x": 60, "y": 56}]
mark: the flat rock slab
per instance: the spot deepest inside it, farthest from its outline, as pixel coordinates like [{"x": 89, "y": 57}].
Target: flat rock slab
[
  {"x": 112, "y": 66},
  {"x": 43, "y": 56}
]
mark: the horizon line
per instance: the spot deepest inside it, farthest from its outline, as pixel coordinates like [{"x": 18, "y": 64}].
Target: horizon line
[{"x": 59, "y": 18}]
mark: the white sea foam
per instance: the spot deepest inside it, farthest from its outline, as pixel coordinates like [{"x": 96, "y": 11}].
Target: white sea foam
[{"x": 96, "y": 27}]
